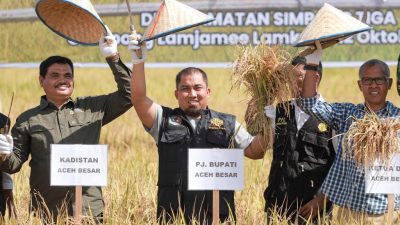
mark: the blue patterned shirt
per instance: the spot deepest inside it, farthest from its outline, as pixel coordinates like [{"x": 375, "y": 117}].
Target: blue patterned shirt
[{"x": 345, "y": 182}]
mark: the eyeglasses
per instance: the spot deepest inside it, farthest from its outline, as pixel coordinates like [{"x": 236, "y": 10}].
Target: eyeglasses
[{"x": 369, "y": 80}]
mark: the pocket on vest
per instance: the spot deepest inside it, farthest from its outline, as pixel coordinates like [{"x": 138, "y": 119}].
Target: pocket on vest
[
  {"x": 174, "y": 134},
  {"x": 218, "y": 138},
  {"x": 315, "y": 148}
]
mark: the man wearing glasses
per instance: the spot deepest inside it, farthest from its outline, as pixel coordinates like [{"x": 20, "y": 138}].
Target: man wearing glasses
[{"x": 345, "y": 182}]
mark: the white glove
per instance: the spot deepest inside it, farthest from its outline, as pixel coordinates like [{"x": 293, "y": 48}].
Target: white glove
[
  {"x": 108, "y": 44},
  {"x": 138, "y": 50},
  {"x": 270, "y": 111},
  {"x": 315, "y": 57},
  {"x": 6, "y": 144}
]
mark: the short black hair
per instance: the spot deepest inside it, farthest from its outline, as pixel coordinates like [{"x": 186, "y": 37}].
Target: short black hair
[
  {"x": 188, "y": 71},
  {"x": 374, "y": 62},
  {"x": 52, "y": 60}
]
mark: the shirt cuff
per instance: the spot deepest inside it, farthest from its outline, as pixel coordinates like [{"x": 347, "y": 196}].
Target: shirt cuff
[
  {"x": 270, "y": 111},
  {"x": 113, "y": 58},
  {"x": 308, "y": 102}
]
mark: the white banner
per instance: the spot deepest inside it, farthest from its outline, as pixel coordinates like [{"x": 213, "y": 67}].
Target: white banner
[
  {"x": 78, "y": 165},
  {"x": 383, "y": 178},
  {"x": 215, "y": 169}
]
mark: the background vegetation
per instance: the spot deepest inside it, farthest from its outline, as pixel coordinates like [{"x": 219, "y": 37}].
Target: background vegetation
[
  {"x": 131, "y": 192},
  {"x": 133, "y": 162}
]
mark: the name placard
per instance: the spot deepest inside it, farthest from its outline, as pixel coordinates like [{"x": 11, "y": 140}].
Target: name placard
[
  {"x": 215, "y": 169},
  {"x": 78, "y": 165},
  {"x": 383, "y": 178}
]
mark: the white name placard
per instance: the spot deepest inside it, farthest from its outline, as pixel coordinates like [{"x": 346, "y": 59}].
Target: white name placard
[
  {"x": 215, "y": 169},
  {"x": 383, "y": 178},
  {"x": 78, "y": 165}
]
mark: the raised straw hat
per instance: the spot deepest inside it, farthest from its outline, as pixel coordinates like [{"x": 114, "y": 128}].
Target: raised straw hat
[
  {"x": 173, "y": 16},
  {"x": 330, "y": 26},
  {"x": 75, "y": 20}
]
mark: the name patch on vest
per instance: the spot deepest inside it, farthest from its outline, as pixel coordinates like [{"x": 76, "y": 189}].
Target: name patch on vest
[
  {"x": 175, "y": 120},
  {"x": 216, "y": 124},
  {"x": 281, "y": 121}
]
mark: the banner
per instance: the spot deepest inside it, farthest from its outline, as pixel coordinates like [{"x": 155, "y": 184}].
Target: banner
[
  {"x": 272, "y": 28},
  {"x": 216, "y": 41},
  {"x": 275, "y": 27}
]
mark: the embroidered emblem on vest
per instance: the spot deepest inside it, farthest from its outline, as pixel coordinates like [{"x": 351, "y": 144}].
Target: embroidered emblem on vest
[
  {"x": 281, "y": 121},
  {"x": 322, "y": 127},
  {"x": 216, "y": 124},
  {"x": 175, "y": 120}
]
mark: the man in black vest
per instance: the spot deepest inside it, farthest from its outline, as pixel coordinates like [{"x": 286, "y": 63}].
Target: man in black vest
[
  {"x": 192, "y": 125},
  {"x": 302, "y": 155},
  {"x": 6, "y": 183}
]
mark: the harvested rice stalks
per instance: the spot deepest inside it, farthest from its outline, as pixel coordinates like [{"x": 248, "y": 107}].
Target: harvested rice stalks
[
  {"x": 371, "y": 138},
  {"x": 267, "y": 76}
]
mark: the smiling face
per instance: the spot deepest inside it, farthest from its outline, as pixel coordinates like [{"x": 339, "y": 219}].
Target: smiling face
[
  {"x": 374, "y": 85},
  {"x": 58, "y": 83},
  {"x": 192, "y": 94}
]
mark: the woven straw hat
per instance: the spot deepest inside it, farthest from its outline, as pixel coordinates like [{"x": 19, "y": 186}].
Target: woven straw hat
[
  {"x": 173, "y": 16},
  {"x": 75, "y": 20},
  {"x": 330, "y": 26}
]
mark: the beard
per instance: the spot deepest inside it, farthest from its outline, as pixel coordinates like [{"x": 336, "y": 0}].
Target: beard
[{"x": 193, "y": 112}]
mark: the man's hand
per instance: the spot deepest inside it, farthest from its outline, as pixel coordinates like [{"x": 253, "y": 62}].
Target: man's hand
[
  {"x": 311, "y": 208},
  {"x": 137, "y": 50},
  {"x": 8, "y": 196},
  {"x": 6, "y": 144},
  {"x": 269, "y": 111},
  {"x": 315, "y": 57},
  {"x": 108, "y": 44}
]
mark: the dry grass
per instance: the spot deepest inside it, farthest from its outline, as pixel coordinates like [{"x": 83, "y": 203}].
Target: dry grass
[
  {"x": 371, "y": 138},
  {"x": 267, "y": 77},
  {"x": 130, "y": 196}
]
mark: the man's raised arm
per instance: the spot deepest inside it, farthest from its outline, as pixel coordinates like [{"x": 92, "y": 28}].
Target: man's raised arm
[
  {"x": 144, "y": 106},
  {"x": 311, "y": 78}
]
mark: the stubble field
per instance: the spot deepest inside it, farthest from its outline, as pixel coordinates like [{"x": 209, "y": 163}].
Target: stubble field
[{"x": 130, "y": 196}]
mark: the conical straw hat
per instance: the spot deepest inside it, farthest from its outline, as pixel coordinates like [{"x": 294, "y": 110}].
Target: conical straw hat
[
  {"x": 173, "y": 16},
  {"x": 330, "y": 25},
  {"x": 75, "y": 20}
]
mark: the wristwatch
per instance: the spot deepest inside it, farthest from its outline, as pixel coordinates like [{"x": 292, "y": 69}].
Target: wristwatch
[{"x": 311, "y": 67}]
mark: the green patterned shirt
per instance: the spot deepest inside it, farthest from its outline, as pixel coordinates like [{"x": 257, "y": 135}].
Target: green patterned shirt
[{"x": 76, "y": 122}]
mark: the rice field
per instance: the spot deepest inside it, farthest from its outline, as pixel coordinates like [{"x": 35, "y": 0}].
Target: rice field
[{"x": 130, "y": 196}]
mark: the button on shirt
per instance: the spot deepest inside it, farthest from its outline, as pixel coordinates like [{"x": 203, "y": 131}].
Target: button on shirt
[{"x": 345, "y": 182}]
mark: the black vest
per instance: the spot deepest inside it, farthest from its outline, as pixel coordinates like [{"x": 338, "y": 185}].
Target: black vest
[
  {"x": 301, "y": 161},
  {"x": 176, "y": 136}
]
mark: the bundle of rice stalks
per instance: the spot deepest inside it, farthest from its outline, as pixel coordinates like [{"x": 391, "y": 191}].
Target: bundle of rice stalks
[
  {"x": 267, "y": 76},
  {"x": 371, "y": 138}
]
